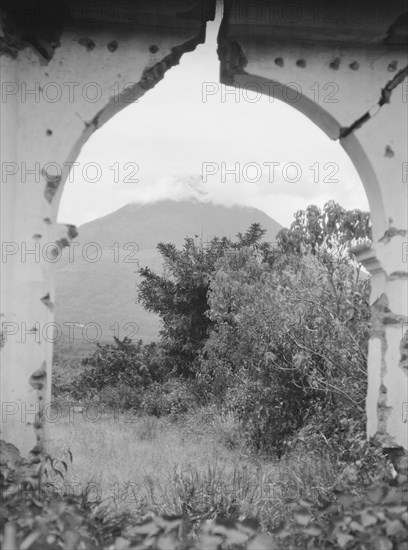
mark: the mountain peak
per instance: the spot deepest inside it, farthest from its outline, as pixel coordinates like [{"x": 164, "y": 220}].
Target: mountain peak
[{"x": 173, "y": 221}]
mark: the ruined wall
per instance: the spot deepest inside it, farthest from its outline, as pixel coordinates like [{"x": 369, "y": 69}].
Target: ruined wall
[
  {"x": 345, "y": 67},
  {"x": 66, "y": 68}
]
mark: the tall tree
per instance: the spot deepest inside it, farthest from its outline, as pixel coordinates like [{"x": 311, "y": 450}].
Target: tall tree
[{"x": 179, "y": 296}]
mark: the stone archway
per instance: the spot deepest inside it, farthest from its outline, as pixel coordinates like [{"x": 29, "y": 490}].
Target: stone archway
[
  {"x": 66, "y": 69},
  {"x": 351, "y": 79},
  {"x": 58, "y": 86}
]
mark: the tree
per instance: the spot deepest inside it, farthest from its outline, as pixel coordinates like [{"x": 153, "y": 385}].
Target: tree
[
  {"x": 289, "y": 336},
  {"x": 179, "y": 296},
  {"x": 332, "y": 229}
]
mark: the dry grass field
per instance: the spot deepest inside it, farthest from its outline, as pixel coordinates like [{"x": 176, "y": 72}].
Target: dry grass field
[{"x": 196, "y": 466}]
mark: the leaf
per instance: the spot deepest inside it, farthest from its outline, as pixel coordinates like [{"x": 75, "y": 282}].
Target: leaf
[
  {"x": 302, "y": 517},
  {"x": 250, "y": 524},
  {"x": 305, "y": 503},
  {"x": 168, "y": 523},
  {"x": 375, "y": 494},
  {"x": 233, "y": 536},
  {"x": 326, "y": 509},
  {"x": 401, "y": 479},
  {"x": 345, "y": 499},
  {"x": 368, "y": 519},
  {"x": 383, "y": 543},
  {"x": 343, "y": 539},
  {"x": 313, "y": 531},
  {"x": 209, "y": 542},
  {"x": 166, "y": 541},
  {"x": 70, "y": 539},
  {"x": 148, "y": 527},
  {"x": 28, "y": 541},
  {"x": 355, "y": 526},
  {"x": 396, "y": 509},
  {"x": 261, "y": 542},
  {"x": 394, "y": 527},
  {"x": 282, "y": 531},
  {"x": 393, "y": 496}
]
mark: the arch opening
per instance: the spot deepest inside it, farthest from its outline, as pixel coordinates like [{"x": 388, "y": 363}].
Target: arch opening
[{"x": 265, "y": 154}]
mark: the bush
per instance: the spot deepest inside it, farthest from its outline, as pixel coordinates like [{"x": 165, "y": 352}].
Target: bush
[
  {"x": 113, "y": 366},
  {"x": 36, "y": 516},
  {"x": 121, "y": 397},
  {"x": 174, "y": 397},
  {"x": 377, "y": 519},
  {"x": 345, "y": 440},
  {"x": 289, "y": 341}
]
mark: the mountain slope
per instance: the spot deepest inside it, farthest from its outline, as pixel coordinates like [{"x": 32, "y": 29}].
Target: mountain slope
[{"x": 96, "y": 283}]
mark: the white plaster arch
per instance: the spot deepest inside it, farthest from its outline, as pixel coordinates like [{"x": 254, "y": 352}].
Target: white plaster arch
[
  {"x": 327, "y": 122},
  {"x": 361, "y": 66}
]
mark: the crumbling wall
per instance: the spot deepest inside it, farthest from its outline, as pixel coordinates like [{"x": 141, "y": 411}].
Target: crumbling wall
[
  {"x": 345, "y": 67},
  {"x": 66, "y": 68}
]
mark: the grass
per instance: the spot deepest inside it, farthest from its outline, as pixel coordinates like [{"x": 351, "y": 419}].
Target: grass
[
  {"x": 118, "y": 450},
  {"x": 197, "y": 466},
  {"x": 199, "y": 469}
]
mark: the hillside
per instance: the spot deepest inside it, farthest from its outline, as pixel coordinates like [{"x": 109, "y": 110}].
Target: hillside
[{"x": 105, "y": 291}]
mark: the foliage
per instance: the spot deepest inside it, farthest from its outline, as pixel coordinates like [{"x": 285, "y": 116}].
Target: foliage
[
  {"x": 179, "y": 296},
  {"x": 113, "y": 366},
  {"x": 174, "y": 397},
  {"x": 331, "y": 229},
  {"x": 237, "y": 360},
  {"x": 120, "y": 397},
  {"x": 35, "y": 514},
  {"x": 290, "y": 332},
  {"x": 343, "y": 437},
  {"x": 46, "y": 519},
  {"x": 378, "y": 519}
]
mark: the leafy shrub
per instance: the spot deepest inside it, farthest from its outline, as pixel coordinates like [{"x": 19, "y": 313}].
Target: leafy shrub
[
  {"x": 36, "y": 516},
  {"x": 113, "y": 366},
  {"x": 344, "y": 439},
  {"x": 376, "y": 520},
  {"x": 174, "y": 397},
  {"x": 289, "y": 340},
  {"x": 121, "y": 396},
  {"x": 246, "y": 360}
]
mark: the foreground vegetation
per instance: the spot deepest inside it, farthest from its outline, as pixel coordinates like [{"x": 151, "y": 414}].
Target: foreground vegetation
[
  {"x": 192, "y": 483},
  {"x": 251, "y": 405}
]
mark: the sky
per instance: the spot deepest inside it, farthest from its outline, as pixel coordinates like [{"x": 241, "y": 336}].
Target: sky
[{"x": 193, "y": 138}]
